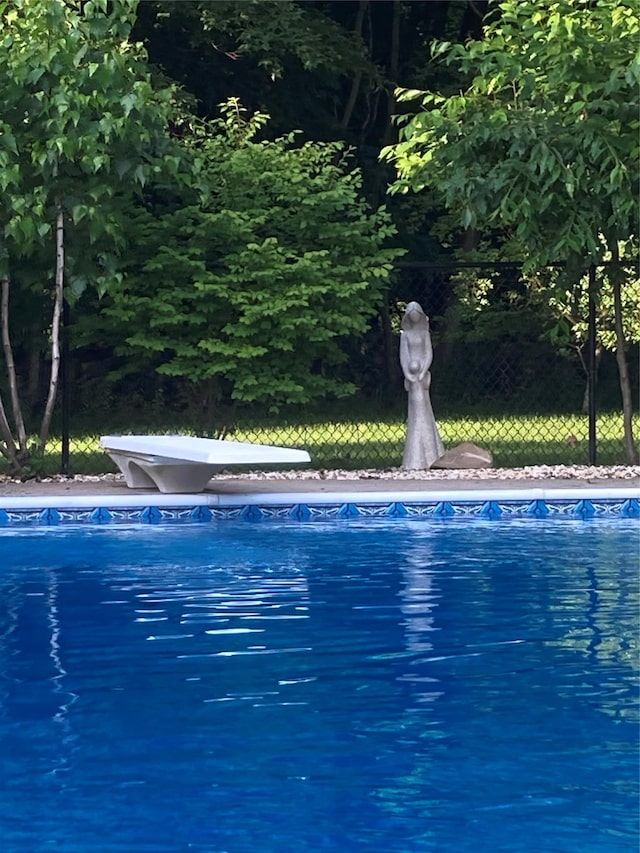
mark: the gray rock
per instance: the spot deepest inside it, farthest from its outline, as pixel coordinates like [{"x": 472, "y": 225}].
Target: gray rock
[{"x": 465, "y": 455}]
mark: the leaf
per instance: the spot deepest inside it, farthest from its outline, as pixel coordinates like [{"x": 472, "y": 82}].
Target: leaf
[
  {"x": 78, "y": 213},
  {"x": 9, "y": 141},
  {"x": 35, "y": 74},
  {"x": 139, "y": 175},
  {"x": 409, "y": 94},
  {"x": 122, "y": 167}
]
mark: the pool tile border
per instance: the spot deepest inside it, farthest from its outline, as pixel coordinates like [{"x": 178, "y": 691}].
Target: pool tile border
[{"x": 495, "y": 504}]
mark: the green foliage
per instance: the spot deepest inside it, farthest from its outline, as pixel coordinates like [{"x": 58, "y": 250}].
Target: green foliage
[
  {"x": 544, "y": 140},
  {"x": 81, "y": 127},
  {"x": 483, "y": 309},
  {"x": 80, "y": 121},
  {"x": 252, "y": 284},
  {"x": 272, "y": 30},
  {"x": 568, "y": 301},
  {"x": 329, "y": 69}
]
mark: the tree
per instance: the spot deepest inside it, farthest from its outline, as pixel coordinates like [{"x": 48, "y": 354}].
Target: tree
[
  {"x": 329, "y": 69},
  {"x": 249, "y": 287},
  {"x": 567, "y": 301},
  {"x": 543, "y": 142},
  {"x": 80, "y": 125},
  {"x": 288, "y": 57}
]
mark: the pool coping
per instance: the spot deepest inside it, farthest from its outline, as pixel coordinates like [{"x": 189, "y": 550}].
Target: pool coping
[
  {"x": 355, "y": 495},
  {"x": 306, "y": 500}
]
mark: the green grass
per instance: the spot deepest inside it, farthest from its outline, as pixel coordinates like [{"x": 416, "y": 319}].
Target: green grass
[{"x": 514, "y": 441}]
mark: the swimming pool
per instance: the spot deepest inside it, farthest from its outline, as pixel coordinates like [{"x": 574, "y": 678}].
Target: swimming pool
[{"x": 408, "y": 685}]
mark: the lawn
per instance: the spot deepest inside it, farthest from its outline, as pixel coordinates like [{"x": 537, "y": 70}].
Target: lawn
[{"x": 514, "y": 441}]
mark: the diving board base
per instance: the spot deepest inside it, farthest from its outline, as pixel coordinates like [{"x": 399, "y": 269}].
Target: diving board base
[{"x": 167, "y": 475}]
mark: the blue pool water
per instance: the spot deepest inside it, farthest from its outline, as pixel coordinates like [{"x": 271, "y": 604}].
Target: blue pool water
[{"x": 359, "y": 686}]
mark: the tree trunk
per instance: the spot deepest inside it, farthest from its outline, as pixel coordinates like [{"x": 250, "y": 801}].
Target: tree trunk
[
  {"x": 355, "y": 85},
  {"x": 10, "y": 450},
  {"x": 11, "y": 369},
  {"x": 394, "y": 61},
  {"x": 630, "y": 449},
  {"x": 55, "y": 330}
]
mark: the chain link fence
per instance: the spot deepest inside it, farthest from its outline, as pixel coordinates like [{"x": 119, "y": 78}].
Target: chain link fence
[{"x": 509, "y": 373}]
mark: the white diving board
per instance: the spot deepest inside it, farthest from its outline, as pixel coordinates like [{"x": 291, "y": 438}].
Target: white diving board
[{"x": 177, "y": 464}]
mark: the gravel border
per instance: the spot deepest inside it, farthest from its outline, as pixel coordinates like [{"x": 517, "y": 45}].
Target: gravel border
[
  {"x": 529, "y": 472},
  {"x": 533, "y": 472}
]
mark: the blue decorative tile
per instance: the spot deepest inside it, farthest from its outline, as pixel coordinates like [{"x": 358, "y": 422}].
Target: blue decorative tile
[
  {"x": 23, "y": 516},
  {"x": 418, "y": 510},
  {"x": 300, "y": 512},
  {"x": 100, "y": 515},
  {"x": 466, "y": 509},
  {"x": 320, "y": 512},
  {"x": 397, "y": 510},
  {"x": 374, "y": 510},
  {"x": 490, "y": 509},
  {"x": 443, "y": 509},
  {"x": 251, "y": 513},
  {"x": 226, "y": 512},
  {"x": 282, "y": 511},
  {"x": 77, "y": 515},
  {"x": 200, "y": 513},
  {"x": 182, "y": 513},
  {"x": 585, "y": 509},
  {"x": 50, "y": 516},
  {"x": 605, "y": 508},
  {"x": 630, "y": 508},
  {"x": 151, "y": 515},
  {"x": 560, "y": 508},
  {"x": 349, "y": 511},
  {"x": 126, "y": 515},
  {"x": 487, "y": 509},
  {"x": 538, "y": 509},
  {"x": 512, "y": 510}
]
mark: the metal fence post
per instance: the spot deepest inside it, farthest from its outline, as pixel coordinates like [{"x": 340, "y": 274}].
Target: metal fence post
[
  {"x": 65, "y": 391},
  {"x": 591, "y": 366}
]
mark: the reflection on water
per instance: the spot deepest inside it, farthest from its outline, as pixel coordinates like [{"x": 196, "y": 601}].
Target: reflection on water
[
  {"x": 524, "y": 648},
  {"x": 404, "y": 686}
]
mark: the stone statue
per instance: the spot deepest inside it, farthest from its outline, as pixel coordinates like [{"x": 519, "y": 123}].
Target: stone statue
[{"x": 423, "y": 444}]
